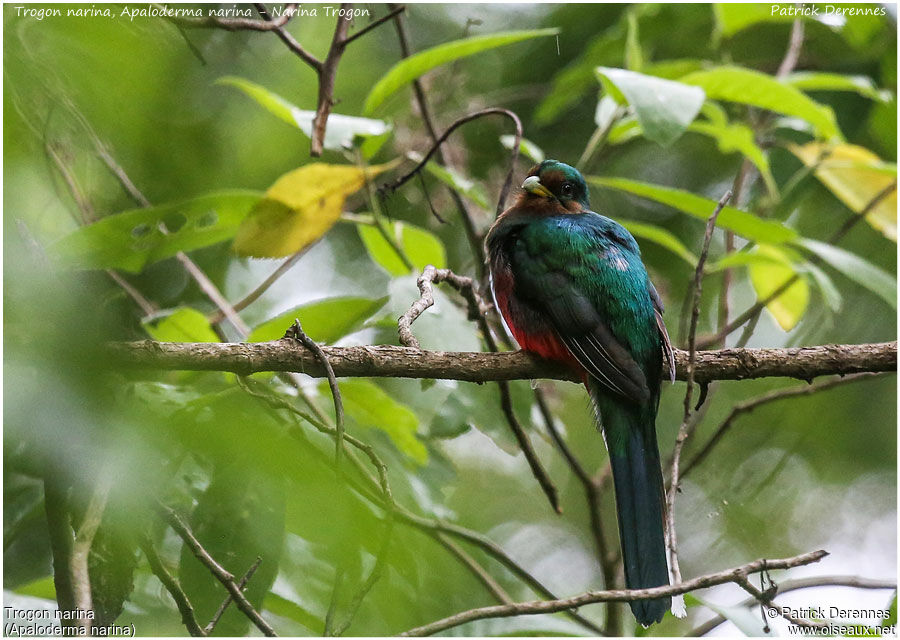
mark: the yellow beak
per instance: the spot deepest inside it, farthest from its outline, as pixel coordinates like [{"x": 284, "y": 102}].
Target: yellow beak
[{"x": 533, "y": 185}]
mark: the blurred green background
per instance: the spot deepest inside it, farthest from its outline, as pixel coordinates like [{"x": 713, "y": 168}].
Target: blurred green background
[{"x": 797, "y": 475}]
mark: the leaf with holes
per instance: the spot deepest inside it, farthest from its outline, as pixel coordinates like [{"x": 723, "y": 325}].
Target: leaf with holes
[
  {"x": 133, "y": 239},
  {"x": 300, "y": 208}
]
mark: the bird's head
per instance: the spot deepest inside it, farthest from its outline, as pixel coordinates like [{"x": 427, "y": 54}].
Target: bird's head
[{"x": 556, "y": 185}]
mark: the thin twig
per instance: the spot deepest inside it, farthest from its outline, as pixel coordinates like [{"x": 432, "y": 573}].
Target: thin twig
[
  {"x": 754, "y": 310},
  {"x": 235, "y": 24},
  {"x": 373, "y": 25},
  {"x": 61, "y": 541},
  {"x": 333, "y": 602},
  {"x": 773, "y": 396},
  {"x": 296, "y": 332},
  {"x": 327, "y": 76},
  {"x": 466, "y": 286},
  {"x": 795, "y": 585},
  {"x": 623, "y": 595},
  {"x": 671, "y": 539},
  {"x": 215, "y": 568},
  {"x": 208, "y": 629},
  {"x": 766, "y": 601},
  {"x": 792, "y": 56},
  {"x": 81, "y": 549},
  {"x": 217, "y": 316},
  {"x": 477, "y": 570},
  {"x": 173, "y": 587},
  {"x": 289, "y": 40}
]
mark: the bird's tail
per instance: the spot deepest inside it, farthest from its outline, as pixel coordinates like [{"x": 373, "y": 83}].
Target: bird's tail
[{"x": 630, "y": 435}]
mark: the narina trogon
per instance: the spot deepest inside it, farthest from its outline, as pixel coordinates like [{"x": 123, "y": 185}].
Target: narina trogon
[{"x": 571, "y": 287}]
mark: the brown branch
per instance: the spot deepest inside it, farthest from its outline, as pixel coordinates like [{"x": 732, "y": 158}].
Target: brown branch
[
  {"x": 803, "y": 363},
  {"x": 795, "y": 585},
  {"x": 218, "y": 571},
  {"x": 81, "y": 549},
  {"x": 296, "y": 332},
  {"x": 173, "y": 587},
  {"x": 289, "y": 40},
  {"x": 622, "y": 595},
  {"x": 696, "y": 292},
  {"x": 477, "y": 570},
  {"x": 208, "y": 629}
]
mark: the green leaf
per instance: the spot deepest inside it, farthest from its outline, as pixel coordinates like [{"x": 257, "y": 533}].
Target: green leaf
[
  {"x": 738, "y": 137},
  {"x": 526, "y": 147},
  {"x": 323, "y": 321},
  {"x": 664, "y": 108},
  {"x": 370, "y": 407},
  {"x": 300, "y": 208},
  {"x": 340, "y": 130},
  {"x": 420, "y": 245},
  {"x": 789, "y": 307},
  {"x": 830, "y": 294},
  {"x": 132, "y": 239},
  {"x": 634, "y": 57},
  {"x": 822, "y": 81},
  {"x": 288, "y": 609},
  {"x": 661, "y": 237},
  {"x": 183, "y": 325},
  {"x": 745, "y": 86},
  {"x": 860, "y": 271},
  {"x": 43, "y": 588},
  {"x": 742, "y": 223},
  {"x": 414, "y": 66},
  {"x": 732, "y": 17},
  {"x": 453, "y": 179}
]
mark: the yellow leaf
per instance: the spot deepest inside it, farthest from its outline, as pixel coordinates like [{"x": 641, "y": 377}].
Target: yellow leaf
[
  {"x": 855, "y": 175},
  {"x": 300, "y": 208},
  {"x": 767, "y": 275}
]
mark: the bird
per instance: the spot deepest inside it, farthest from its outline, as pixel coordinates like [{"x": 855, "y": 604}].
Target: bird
[{"x": 571, "y": 287}]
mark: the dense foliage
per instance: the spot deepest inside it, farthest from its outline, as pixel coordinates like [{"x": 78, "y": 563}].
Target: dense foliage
[{"x": 130, "y": 139}]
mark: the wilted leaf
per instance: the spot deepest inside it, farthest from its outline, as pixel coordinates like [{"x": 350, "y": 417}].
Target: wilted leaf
[
  {"x": 323, "y": 321},
  {"x": 736, "y": 84},
  {"x": 526, "y": 148},
  {"x": 664, "y": 108},
  {"x": 855, "y": 175},
  {"x": 742, "y": 223},
  {"x": 420, "y": 246},
  {"x": 371, "y": 407},
  {"x": 340, "y": 130},
  {"x": 415, "y": 65},
  {"x": 789, "y": 307},
  {"x": 183, "y": 325},
  {"x": 300, "y": 208},
  {"x": 133, "y": 239},
  {"x": 860, "y": 271}
]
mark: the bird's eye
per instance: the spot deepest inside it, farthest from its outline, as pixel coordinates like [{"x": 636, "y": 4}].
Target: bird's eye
[{"x": 567, "y": 189}]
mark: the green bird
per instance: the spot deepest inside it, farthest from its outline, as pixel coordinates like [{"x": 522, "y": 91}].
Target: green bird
[{"x": 571, "y": 287}]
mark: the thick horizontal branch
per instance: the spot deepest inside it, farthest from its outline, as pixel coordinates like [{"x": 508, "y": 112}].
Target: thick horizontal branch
[
  {"x": 620, "y": 595},
  {"x": 244, "y": 358}
]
